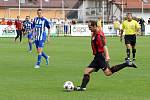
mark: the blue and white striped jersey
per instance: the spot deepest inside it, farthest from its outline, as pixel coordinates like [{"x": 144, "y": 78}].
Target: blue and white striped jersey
[
  {"x": 27, "y": 26},
  {"x": 39, "y": 24}
]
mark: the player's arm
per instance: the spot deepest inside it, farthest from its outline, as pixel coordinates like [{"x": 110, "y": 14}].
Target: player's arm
[
  {"x": 106, "y": 53},
  {"x": 121, "y": 32},
  {"x": 48, "y": 38},
  {"x": 48, "y": 26},
  {"x": 33, "y": 29},
  {"x": 138, "y": 27}
]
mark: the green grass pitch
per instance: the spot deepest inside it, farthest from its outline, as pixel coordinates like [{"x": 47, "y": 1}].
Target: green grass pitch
[{"x": 68, "y": 58}]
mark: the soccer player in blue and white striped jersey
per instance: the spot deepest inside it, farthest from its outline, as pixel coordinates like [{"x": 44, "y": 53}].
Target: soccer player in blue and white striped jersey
[
  {"x": 28, "y": 29},
  {"x": 39, "y": 25}
]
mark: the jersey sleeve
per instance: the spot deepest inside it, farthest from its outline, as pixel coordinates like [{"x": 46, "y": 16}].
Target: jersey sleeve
[
  {"x": 123, "y": 26},
  {"x": 101, "y": 40},
  {"x": 47, "y": 24},
  {"x": 33, "y": 24},
  {"x": 137, "y": 25}
]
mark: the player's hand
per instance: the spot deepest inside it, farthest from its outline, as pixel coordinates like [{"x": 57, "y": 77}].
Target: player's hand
[{"x": 107, "y": 58}]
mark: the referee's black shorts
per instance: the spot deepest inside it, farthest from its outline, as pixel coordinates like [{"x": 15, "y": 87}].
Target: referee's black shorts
[
  {"x": 99, "y": 62},
  {"x": 130, "y": 39}
]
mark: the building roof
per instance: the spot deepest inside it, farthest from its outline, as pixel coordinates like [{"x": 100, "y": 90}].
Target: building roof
[{"x": 134, "y": 4}]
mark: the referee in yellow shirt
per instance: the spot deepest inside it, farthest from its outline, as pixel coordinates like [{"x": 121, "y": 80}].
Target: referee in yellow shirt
[{"x": 130, "y": 28}]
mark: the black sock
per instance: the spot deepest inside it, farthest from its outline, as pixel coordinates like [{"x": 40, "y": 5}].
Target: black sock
[
  {"x": 85, "y": 80},
  {"x": 128, "y": 53},
  {"x": 133, "y": 52},
  {"x": 118, "y": 67}
]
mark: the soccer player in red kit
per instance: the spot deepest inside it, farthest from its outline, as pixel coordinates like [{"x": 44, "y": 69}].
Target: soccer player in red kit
[
  {"x": 9, "y": 22},
  {"x": 18, "y": 24},
  {"x": 100, "y": 61}
]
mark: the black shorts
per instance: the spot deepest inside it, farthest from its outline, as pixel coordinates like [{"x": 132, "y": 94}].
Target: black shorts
[
  {"x": 130, "y": 39},
  {"x": 99, "y": 62}
]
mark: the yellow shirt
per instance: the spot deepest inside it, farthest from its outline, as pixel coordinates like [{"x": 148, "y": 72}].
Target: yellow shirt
[
  {"x": 116, "y": 25},
  {"x": 99, "y": 24},
  {"x": 130, "y": 28}
]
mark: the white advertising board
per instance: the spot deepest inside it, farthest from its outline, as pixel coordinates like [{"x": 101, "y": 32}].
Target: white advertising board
[
  {"x": 7, "y": 31},
  {"x": 80, "y": 30},
  {"x": 147, "y": 29},
  {"x": 109, "y": 30}
]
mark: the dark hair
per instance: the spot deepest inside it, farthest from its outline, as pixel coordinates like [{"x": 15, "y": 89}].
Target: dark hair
[
  {"x": 129, "y": 13},
  {"x": 93, "y": 23},
  {"x": 39, "y": 10},
  {"x": 28, "y": 16}
]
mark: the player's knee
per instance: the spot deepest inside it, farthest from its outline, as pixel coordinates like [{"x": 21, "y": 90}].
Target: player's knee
[
  {"x": 108, "y": 74},
  {"x": 88, "y": 71}
]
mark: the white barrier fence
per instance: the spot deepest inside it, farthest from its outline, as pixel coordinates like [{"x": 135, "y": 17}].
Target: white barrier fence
[{"x": 76, "y": 30}]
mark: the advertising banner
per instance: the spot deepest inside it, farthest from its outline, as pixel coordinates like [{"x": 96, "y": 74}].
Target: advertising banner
[
  {"x": 7, "y": 31},
  {"x": 80, "y": 30},
  {"x": 147, "y": 29}
]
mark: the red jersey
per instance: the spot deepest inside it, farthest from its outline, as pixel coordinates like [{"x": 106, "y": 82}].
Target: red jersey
[
  {"x": 9, "y": 22},
  {"x": 18, "y": 24},
  {"x": 98, "y": 42}
]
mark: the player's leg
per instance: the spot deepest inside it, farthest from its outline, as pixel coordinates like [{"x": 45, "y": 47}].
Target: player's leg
[
  {"x": 86, "y": 77},
  {"x": 93, "y": 67},
  {"x": 85, "y": 80},
  {"x": 30, "y": 44},
  {"x": 128, "y": 46},
  {"x": 39, "y": 51},
  {"x": 20, "y": 33},
  {"x": 46, "y": 58},
  {"x": 41, "y": 44},
  {"x": 118, "y": 67},
  {"x": 133, "y": 52},
  {"x": 109, "y": 71},
  {"x": 30, "y": 41},
  {"x": 133, "y": 47},
  {"x": 17, "y": 35}
]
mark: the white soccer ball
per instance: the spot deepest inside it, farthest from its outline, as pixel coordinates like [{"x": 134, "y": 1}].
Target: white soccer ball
[{"x": 68, "y": 85}]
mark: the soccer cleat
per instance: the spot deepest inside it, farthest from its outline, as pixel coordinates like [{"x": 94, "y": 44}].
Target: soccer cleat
[
  {"x": 36, "y": 66},
  {"x": 47, "y": 60},
  {"x": 133, "y": 59},
  {"x": 127, "y": 58},
  {"x": 133, "y": 65},
  {"x": 128, "y": 61},
  {"x": 79, "y": 88}
]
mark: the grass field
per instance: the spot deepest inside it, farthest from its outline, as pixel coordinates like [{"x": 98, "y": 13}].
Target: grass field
[{"x": 68, "y": 58}]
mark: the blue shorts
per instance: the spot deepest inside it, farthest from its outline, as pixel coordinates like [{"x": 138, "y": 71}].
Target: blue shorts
[
  {"x": 30, "y": 36},
  {"x": 39, "y": 43}
]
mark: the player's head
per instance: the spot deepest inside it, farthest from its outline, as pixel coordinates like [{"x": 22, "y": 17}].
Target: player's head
[
  {"x": 3, "y": 19},
  {"x": 18, "y": 17},
  {"x": 100, "y": 18},
  {"x": 92, "y": 26},
  {"x": 129, "y": 16},
  {"x": 27, "y": 18},
  {"x": 39, "y": 13}
]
